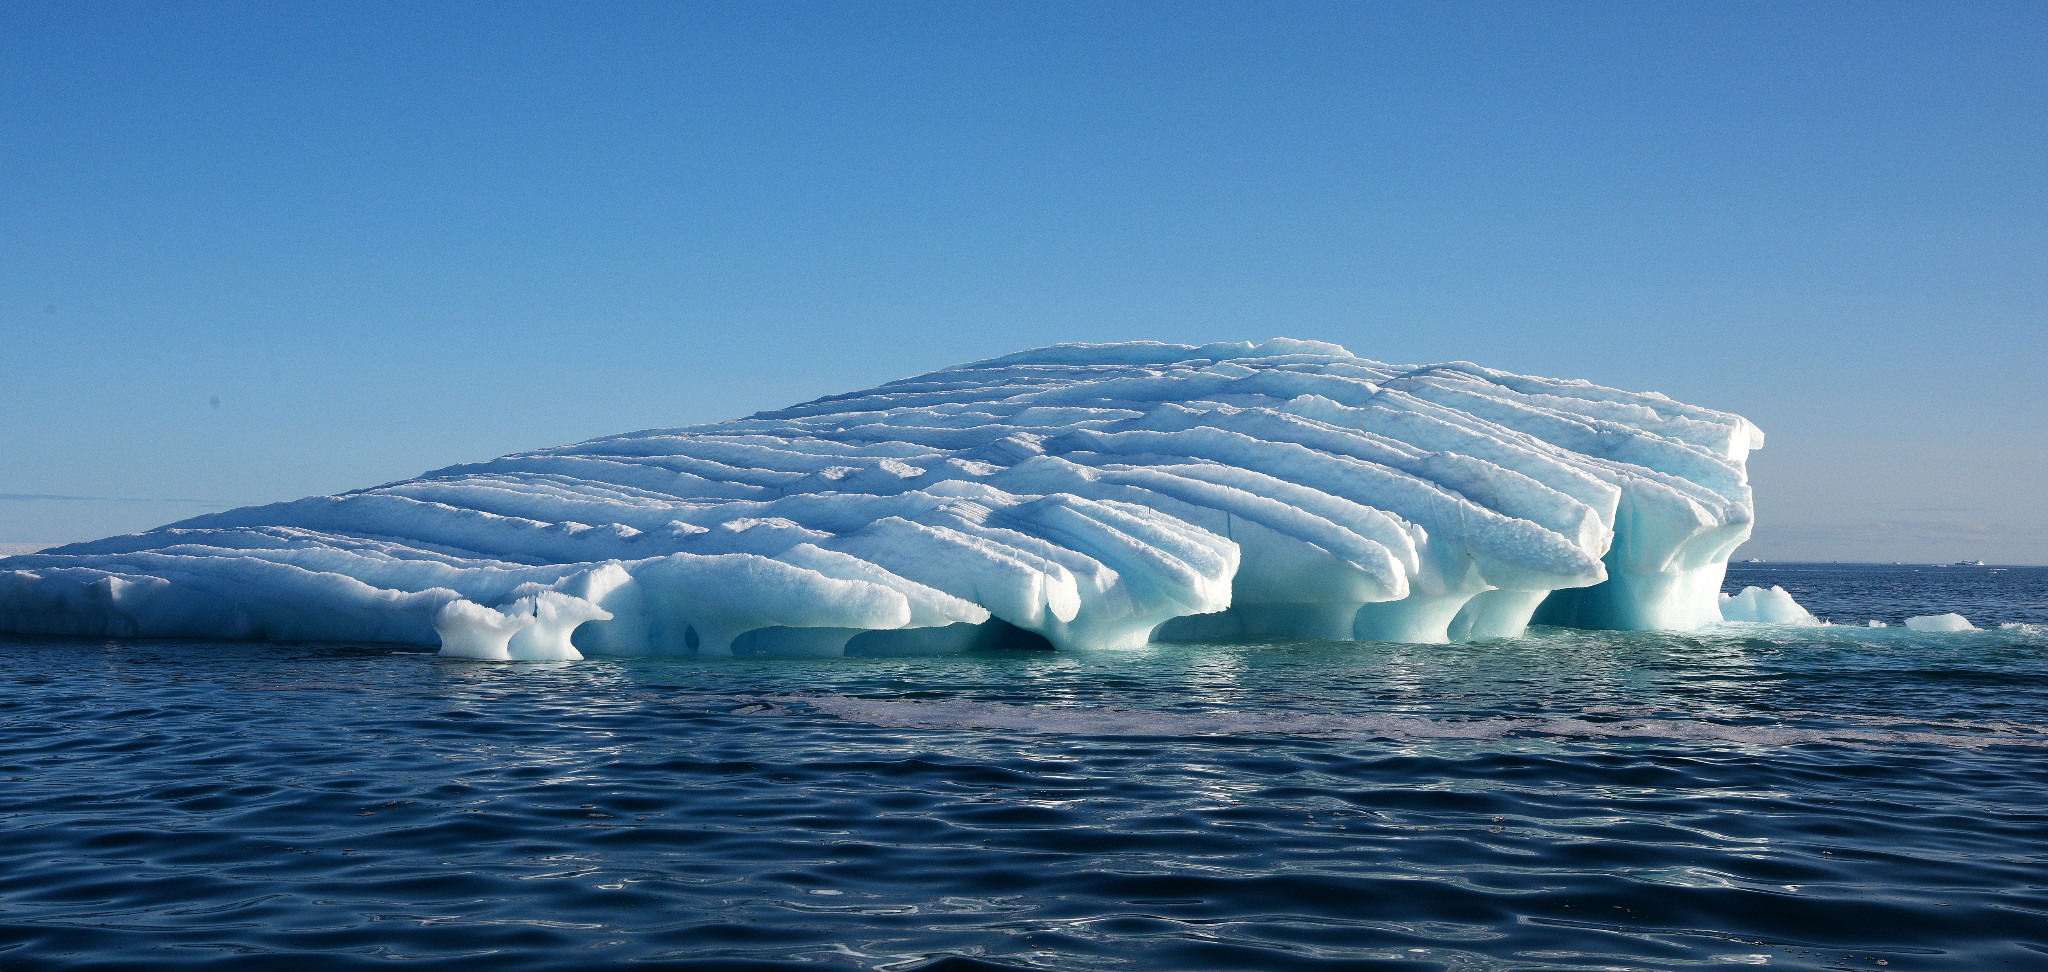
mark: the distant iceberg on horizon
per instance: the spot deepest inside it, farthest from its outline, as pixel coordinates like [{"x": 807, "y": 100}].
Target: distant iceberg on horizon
[{"x": 1090, "y": 495}]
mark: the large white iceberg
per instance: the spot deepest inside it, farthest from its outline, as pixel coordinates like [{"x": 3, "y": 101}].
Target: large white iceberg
[{"x": 1092, "y": 495}]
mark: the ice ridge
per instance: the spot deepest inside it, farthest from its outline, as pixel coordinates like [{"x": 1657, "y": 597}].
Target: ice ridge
[{"x": 1080, "y": 495}]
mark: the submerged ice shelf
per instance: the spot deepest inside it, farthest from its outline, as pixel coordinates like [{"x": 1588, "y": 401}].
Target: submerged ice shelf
[{"x": 1087, "y": 495}]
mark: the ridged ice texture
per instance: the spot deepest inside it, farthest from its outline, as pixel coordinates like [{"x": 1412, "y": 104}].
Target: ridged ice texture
[{"x": 1094, "y": 495}]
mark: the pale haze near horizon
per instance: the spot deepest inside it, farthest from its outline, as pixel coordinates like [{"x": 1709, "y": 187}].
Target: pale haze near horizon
[{"x": 250, "y": 253}]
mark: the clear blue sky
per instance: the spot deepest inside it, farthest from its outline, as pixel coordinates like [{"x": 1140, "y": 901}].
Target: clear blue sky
[{"x": 390, "y": 237}]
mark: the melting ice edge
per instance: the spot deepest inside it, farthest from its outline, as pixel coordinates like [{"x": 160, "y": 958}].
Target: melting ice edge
[{"x": 1092, "y": 495}]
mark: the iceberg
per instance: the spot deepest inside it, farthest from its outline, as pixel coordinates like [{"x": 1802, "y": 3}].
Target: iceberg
[
  {"x": 1940, "y": 623},
  {"x": 1773, "y": 606},
  {"x": 1074, "y": 496}
]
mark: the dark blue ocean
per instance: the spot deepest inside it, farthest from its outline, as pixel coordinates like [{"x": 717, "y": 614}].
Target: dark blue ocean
[{"x": 1830, "y": 798}]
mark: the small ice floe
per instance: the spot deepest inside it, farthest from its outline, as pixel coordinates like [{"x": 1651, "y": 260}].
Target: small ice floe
[
  {"x": 1941, "y": 623},
  {"x": 1774, "y": 606}
]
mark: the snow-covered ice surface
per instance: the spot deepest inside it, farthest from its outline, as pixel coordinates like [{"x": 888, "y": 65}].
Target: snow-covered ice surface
[{"x": 1088, "y": 495}]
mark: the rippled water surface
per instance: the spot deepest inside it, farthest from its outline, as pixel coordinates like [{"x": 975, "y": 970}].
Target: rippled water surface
[{"x": 1819, "y": 798}]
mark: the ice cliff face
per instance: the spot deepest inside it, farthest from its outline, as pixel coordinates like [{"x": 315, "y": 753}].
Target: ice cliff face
[{"x": 1094, "y": 495}]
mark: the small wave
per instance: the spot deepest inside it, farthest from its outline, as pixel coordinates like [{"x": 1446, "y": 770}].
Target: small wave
[{"x": 1602, "y": 724}]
